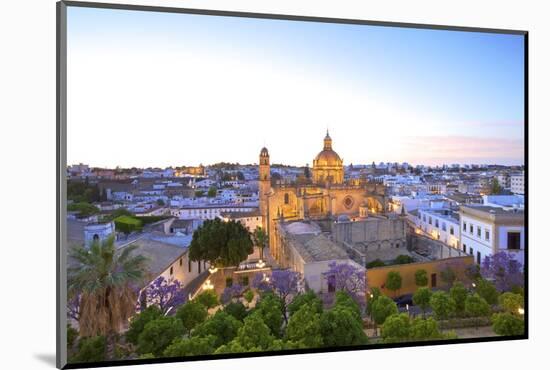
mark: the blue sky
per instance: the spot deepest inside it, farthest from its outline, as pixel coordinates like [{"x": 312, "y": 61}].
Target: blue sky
[{"x": 385, "y": 93}]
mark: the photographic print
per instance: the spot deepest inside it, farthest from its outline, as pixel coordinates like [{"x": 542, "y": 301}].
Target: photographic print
[{"x": 240, "y": 185}]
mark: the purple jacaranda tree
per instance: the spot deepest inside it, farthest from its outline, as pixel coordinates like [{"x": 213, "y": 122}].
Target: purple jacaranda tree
[
  {"x": 166, "y": 294},
  {"x": 73, "y": 307},
  {"x": 348, "y": 278},
  {"x": 283, "y": 283},
  {"x": 232, "y": 292},
  {"x": 504, "y": 270}
]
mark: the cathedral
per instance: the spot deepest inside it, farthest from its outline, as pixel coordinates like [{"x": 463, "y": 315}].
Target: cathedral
[{"x": 326, "y": 197}]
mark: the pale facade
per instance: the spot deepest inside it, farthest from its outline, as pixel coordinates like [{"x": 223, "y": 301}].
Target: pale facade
[{"x": 488, "y": 230}]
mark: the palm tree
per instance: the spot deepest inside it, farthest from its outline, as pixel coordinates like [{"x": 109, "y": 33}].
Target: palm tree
[
  {"x": 260, "y": 239},
  {"x": 106, "y": 280}
]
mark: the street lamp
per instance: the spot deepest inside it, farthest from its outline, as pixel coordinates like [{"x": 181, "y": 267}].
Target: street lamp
[
  {"x": 521, "y": 311},
  {"x": 208, "y": 285},
  {"x": 212, "y": 269},
  {"x": 260, "y": 264}
]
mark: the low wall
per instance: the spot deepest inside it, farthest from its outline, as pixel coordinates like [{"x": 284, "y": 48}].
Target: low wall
[{"x": 376, "y": 276}]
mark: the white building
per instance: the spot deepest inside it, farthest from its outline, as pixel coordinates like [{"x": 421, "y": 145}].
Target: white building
[
  {"x": 209, "y": 211},
  {"x": 517, "y": 183},
  {"x": 441, "y": 224},
  {"x": 486, "y": 230}
]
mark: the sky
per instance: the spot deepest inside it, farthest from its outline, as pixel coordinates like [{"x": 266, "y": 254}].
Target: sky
[{"x": 151, "y": 89}]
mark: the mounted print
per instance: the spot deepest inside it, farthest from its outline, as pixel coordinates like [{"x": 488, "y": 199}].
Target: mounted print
[{"x": 236, "y": 184}]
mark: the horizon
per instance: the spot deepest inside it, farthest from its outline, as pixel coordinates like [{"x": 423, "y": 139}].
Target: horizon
[{"x": 150, "y": 89}]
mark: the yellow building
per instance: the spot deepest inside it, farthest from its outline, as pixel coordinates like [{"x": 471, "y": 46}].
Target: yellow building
[{"x": 327, "y": 196}]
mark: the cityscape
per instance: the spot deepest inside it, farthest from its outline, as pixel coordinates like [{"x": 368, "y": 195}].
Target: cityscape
[
  {"x": 244, "y": 185},
  {"x": 234, "y": 258}
]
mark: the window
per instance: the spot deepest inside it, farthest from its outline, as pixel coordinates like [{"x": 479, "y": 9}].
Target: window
[
  {"x": 181, "y": 261},
  {"x": 424, "y": 217},
  {"x": 444, "y": 226},
  {"x": 171, "y": 270},
  {"x": 471, "y": 229},
  {"x": 478, "y": 258},
  {"x": 479, "y": 232},
  {"x": 436, "y": 222},
  {"x": 464, "y": 226},
  {"x": 514, "y": 240},
  {"x": 472, "y": 251},
  {"x": 189, "y": 266},
  {"x": 486, "y": 234},
  {"x": 464, "y": 248},
  {"x": 452, "y": 230},
  {"x": 286, "y": 198},
  {"x": 430, "y": 220}
]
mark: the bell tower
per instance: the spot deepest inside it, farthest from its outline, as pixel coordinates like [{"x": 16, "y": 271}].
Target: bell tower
[{"x": 264, "y": 186}]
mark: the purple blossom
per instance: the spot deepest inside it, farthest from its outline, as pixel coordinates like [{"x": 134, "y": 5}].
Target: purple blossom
[
  {"x": 348, "y": 278},
  {"x": 231, "y": 292},
  {"x": 504, "y": 270},
  {"x": 73, "y": 307},
  {"x": 166, "y": 294},
  {"x": 283, "y": 283}
]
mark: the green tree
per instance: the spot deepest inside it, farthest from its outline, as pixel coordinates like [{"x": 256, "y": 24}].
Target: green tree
[
  {"x": 475, "y": 306},
  {"x": 371, "y": 297},
  {"x": 208, "y": 299},
  {"x": 84, "y": 209},
  {"x": 190, "y": 347},
  {"x": 421, "y": 298},
  {"x": 495, "y": 186},
  {"x": 72, "y": 334},
  {"x": 487, "y": 291},
  {"x": 212, "y": 192},
  {"x": 425, "y": 329},
  {"x": 222, "y": 326},
  {"x": 158, "y": 334},
  {"x": 343, "y": 299},
  {"x": 376, "y": 263},
  {"x": 396, "y": 328},
  {"x": 448, "y": 275},
  {"x": 403, "y": 259},
  {"x": 138, "y": 322},
  {"x": 191, "y": 314},
  {"x": 340, "y": 327},
  {"x": 511, "y": 302},
  {"x": 508, "y": 324},
  {"x": 104, "y": 277},
  {"x": 160, "y": 202},
  {"x": 442, "y": 305},
  {"x": 394, "y": 281},
  {"x": 309, "y": 298},
  {"x": 91, "y": 349},
  {"x": 270, "y": 309},
  {"x": 221, "y": 243},
  {"x": 459, "y": 293},
  {"x": 305, "y": 327},
  {"x": 382, "y": 308},
  {"x": 199, "y": 193},
  {"x": 421, "y": 278},
  {"x": 248, "y": 296},
  {"x": 127, "y": 224},
  {"x": 260, "y": 239},
  {"x": 237, "y": 310},
  {"x": 254, "y": 334}
]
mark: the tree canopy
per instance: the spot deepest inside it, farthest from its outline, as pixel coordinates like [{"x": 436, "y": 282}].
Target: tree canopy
[{"x": 221, "y": 243}]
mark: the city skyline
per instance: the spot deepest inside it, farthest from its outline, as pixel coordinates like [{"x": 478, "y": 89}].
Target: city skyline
[{"x": 160, "y": 90}]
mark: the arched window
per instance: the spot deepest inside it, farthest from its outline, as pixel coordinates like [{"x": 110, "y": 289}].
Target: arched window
[
  {"x": 286, "y": 198},
  {"x": 96, "y": 237}
]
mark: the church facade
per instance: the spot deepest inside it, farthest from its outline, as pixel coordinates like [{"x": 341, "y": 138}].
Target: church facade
[{"x": 326, "y": 196}]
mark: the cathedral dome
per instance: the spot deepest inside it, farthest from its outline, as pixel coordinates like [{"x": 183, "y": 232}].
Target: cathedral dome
[
  {"x": 328, "y": 166},
  {"x": 328, "y": 158}
]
